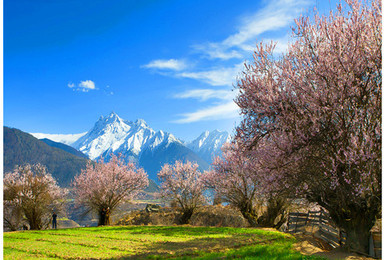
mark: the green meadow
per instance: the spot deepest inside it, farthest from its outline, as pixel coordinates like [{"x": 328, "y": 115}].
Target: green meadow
[{"x": 150, "y": 242}]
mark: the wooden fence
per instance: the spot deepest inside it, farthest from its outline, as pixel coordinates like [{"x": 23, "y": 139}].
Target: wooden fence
[{"x": 321, "y": 225}]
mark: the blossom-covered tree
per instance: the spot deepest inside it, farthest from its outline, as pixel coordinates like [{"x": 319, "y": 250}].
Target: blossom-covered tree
[
  {"x": 319, "y": 107},
  {"x": 32, "y": 193},
  {"x": 106, "y": 185},
  {"x": 182, "y": 184},
  {"x": 241, "y": 179},
  {"x": 234, "y": 181}
]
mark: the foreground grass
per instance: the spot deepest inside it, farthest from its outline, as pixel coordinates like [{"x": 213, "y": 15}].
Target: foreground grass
[{"x": 150, "y": 242}]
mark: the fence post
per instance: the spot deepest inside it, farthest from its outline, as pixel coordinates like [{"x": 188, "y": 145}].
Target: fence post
[
  {"x": 371, "y": 246},
  {"x": 289, "y": 219}
]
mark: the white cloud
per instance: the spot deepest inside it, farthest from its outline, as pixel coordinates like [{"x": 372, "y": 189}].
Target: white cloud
[
  {"x": 225, "y": 76},
  {"x": 222, "y": 111},
  {"x": 68, "y": 139},
  {"x": 206, "y": 94},
  {"x": 84, "y": 86},
  {"x": 87, "y": 85},
  {"x": 217, "y": 50},
  {"x": 274, "y": 16},
  {"x": 270, "y": 20},
  {"x": 170, "y": 64}
]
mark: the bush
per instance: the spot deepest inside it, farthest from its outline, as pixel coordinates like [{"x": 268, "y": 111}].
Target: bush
[{"x": 218, "y": 216}]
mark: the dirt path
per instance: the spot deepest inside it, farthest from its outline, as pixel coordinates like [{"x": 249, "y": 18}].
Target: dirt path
[{"x": 309, "y": 245}]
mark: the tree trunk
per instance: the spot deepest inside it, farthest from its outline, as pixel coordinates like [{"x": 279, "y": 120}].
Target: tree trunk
[
  {"x": 358, "y": 239},
  {"x": 33, "y": 224},
  {"x": 276, "y": 208},
  {"x": 186, "y": 216},
  {"x": 34, "y": 220},
  {"x": 102, "y": 218},
  {"x": 250, "y": 215},
  {"x": 357, "y": 227}
]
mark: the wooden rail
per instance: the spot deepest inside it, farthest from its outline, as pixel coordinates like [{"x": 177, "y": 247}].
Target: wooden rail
[{"x": 299, "y": 222}]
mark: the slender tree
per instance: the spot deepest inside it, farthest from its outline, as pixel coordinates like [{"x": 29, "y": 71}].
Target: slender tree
[
  {"x": 319, "y": 107},
  {"x": 32, "y": 193},
  {"x": 106, "y": 185},
  {"x": 181, "y": 183}
]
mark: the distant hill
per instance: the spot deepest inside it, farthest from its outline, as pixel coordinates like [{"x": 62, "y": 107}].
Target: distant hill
[
  {"x": 64, "y": 147},
  {"x": 21, "y": 148}
]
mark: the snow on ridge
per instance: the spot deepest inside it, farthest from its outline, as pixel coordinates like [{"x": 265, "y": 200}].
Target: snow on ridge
[
  {"x": 67, "y": 139},
  {"x": 114, "y": 134},
  {"x": 208, "y": 144}
]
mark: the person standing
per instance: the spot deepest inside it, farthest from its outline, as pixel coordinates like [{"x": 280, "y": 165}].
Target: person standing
[{"x": 54, "y": 220}]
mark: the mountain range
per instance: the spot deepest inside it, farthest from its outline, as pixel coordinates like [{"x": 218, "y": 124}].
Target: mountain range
[{"x": 139, "y": 143}]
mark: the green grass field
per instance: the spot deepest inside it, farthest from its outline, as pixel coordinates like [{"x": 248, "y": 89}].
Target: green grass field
[{"x": 150, "y": 242}]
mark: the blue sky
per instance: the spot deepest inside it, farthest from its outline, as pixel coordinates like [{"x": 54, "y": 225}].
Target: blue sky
[{"x": 172, "y": 63}]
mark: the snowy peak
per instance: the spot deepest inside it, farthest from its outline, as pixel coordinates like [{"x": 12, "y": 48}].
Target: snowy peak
[
  {"x": 141, "y": 123},
  {"x": 208, "y": 144},
  {"x": 113, "y": 134}
]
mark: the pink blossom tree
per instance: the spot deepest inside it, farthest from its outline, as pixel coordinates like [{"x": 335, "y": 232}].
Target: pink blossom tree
[
  {"x": 241, "y": 179},
  {"x": 319, "y": 107},
  {"x": 32, "y": 193},
  {"x": 106, "y": 185},
  {"x": 234, "y": 181},
  {"x": 182, "y": 184}
]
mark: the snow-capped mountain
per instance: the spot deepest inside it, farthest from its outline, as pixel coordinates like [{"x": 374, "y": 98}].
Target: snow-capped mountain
[
  {"x": 139, "y": 143},
  {"x": 113, "y": 134},
  {"x": 208, "y": 144}
]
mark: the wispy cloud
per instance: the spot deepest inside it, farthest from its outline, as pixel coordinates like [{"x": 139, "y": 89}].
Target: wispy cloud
[
  {"x": 225, "y": 76},
  {"x": 171, "y": 64},
  {"x": 83, "y": 86},
  {"x": 228, "y": 56},
  {"x": 274, "y": 16},
  {"x": 206, "y": 94},
  {"x": 216, "y": 50},
  {"x": 223, "y": 111}
]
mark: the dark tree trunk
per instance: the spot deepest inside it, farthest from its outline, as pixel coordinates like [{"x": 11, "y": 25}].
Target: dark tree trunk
[
  {"x": 34, "y": 220},
  {"x": 250, "y": 215},
  {"x": 358, "y": 238},
  {"x": 356, "y": 219},
  {"x": 34, "y": 224},
  {"x": 186, "y": 216},
  {"x": 357, "y": 230},
  {"x": 276, "y": 208},
  {"x": 102, "y": 217}
]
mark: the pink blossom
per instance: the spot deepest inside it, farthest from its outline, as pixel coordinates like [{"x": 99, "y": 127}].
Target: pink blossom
[{"x": 102, "y": 185}]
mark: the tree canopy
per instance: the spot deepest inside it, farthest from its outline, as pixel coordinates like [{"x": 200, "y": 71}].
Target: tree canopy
[{"x": 316, "y": 113}]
